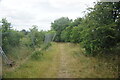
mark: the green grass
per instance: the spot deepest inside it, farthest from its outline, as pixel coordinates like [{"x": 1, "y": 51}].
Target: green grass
[
  {"x": 36, "y": 68},
  {"x": 18, "y": 55},
  {"x": 37, "y": 55},
  {"x": 65, "y": 60}
]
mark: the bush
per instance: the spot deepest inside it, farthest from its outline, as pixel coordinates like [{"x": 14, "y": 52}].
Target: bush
[
  {"x": 36, "y": 55},
  {"x": 46, "y": 46}
]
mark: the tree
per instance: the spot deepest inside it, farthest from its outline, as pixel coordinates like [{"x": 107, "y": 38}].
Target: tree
[
  {"x": 99, "y": 33},
  {"x": 59, "y": 25},
  {"x": 36, "y": 37},
  {"x": 10, "y": 37},
  {"x": 5, "y": 33},
  {"x": 76, "y": 22},
  {"x": 66, "y": 33},
  {"x": 75, "y": 35},
  {"x": 24, "y": 32}
]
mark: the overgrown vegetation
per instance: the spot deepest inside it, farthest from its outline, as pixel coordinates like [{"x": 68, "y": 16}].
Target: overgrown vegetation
[
  {"x": 63, "y": 60},
  {"x": 13, "y": 38},
  {"x": 98, "y": 30},
  {"x": 20, "y": 44},
  {"x": 36, "y": 55}
]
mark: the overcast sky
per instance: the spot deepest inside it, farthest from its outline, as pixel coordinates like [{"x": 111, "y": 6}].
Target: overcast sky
[{"x": 24, "y": 13}]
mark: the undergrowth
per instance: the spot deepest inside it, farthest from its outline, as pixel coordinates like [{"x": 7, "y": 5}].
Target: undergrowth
[
  {"x": 46, "y": 46},
  {"x": 36, "y": 55}
]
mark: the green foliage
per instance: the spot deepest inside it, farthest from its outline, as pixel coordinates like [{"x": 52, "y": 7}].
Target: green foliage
[
  {"x": 46, "y": 46},
  {"x": 49, "y": 36},
  {"x": 36, "y": 37},
  {"x": 59, "y": 25},
  {"x": 98, "y": 30},
  {"x": 75, "y": 35},
  {"x": 76, "y": 22},
  {"x": 36, "y": 55},
  {"x": 25, "y": 41},
  {"x": 13, "y": 38},
  {"x": 10, "y": 37},
  {"x": 65, "y": 35}
]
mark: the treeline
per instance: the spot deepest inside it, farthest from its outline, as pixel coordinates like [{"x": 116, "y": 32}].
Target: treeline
[
  {"x": 12, "y": 38},
  {"x": 98, "y": 31}
]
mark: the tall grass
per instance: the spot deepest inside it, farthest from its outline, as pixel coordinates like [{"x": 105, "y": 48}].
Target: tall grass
[
  {"x": 19, "y": 53},
  {"x": 37, "y": 55},
  {"x": 46, "y": 46}
]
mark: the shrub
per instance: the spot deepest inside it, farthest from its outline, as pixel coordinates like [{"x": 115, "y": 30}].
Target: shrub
[{"x": 36, "y": 55}]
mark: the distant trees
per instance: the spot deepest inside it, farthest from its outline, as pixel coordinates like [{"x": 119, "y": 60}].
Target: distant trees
[
  {"x": 59, "y": 25},
  {"x": 24, "y": 32},
  {"x": 98, "y": 31},
  {"x": 66, "y": 29},
  {"x": 75, "y": 35},
  {"x": 65, "y": 34},
  {"x": 12, "y": 38},
  {"x": 36, "y": 37}
]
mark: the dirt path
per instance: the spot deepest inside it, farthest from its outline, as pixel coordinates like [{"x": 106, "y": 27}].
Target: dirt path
[{"x": 63, "y": 72}]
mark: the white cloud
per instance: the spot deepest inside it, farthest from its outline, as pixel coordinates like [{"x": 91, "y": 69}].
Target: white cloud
[
  {"x": 68, "y": 3},
  {"x": 25, "y": 13}
]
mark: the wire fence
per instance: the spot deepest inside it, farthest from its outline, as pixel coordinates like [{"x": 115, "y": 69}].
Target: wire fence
[
  {"x": 0, "y": 55},
  {"x": 49, "y": 37}
]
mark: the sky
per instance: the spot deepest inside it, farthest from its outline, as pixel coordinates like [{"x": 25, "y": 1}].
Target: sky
[{"x": 22, "y": 14}]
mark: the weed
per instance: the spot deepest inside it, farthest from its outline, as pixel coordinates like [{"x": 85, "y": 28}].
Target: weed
[
  {"x": 46, "y": 46},
  {"x": 36, "y": 55}
]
